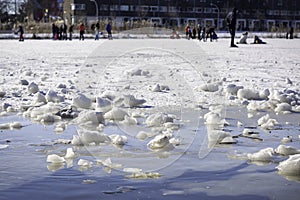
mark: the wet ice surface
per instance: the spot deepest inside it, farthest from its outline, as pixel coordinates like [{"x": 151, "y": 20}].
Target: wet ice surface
[{"x": 181, "y": 79}]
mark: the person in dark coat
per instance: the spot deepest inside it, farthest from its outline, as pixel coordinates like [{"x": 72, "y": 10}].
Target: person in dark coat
[
  {"x": 108, "y": 30},
  {"x": 71, "y": 32},
  {"x": 53, "y": 31},
  {"x": 231, "y": 22},
  {"x": 81, "y": 31},
  {"x": 292, "y": 33},
  {"x": 21, "y": 32},
  {"x": 199, "y": 31},
  {"x": 65, "y": 28}
]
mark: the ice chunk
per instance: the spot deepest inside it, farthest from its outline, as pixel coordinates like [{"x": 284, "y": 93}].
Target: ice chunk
[
  {"x": 286, "y": 150},
  {"x": 129, "y": 121},
  {"x": 32, "y": 88},
  {"x": 233, "y": 89},
  {"x": 84, "y": 163},
  {"x": 89, "y": 116},
  {"x": 40, "y": 98},
  {"x": 70, "y": 154},
  {"x": 24, "y": 82},
  {"x": 283, "y": 107},
  {"x": 213, "y": 118},
  {"x": 103, "y": 104},
  {"x": 160, "y": 141},
  {"x": 266, "y": 122},
  {"x": 89, "y": 137},
  {"x": 287, "y": 139},
  {"x": 156, "y": 88},
  {"x": 132, "y": 170},
  {"x": 264, "y": 155},
  {"x": 158, "y": 119},
  {"x": 16, "y": 125},
  {"x": 116, "y": 114},
  {"x": 131, "y": 101},
  {"x": 291, "y": 166},
  {"x": 3, "y": 146},
  {"x": 248, "y": 94},
  {"x": 52, "y": 96},
  {"x": 209, "y": 87},
  {"x": 2, "y": 94},
  {"x": 82, "y": 101},
  {"x": 118, "y": 139},
  {"x": 53, "y": 158}
]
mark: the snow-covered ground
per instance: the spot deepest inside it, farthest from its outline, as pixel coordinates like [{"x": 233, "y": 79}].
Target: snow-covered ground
[{"x": 156, "y": 118}]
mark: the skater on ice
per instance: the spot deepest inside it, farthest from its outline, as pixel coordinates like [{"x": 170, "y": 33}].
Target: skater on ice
[
  {"x": 231, "y": 22},
  {"x": 81, "y": 31},
  {"x": 21, "y": 32},
  {"x": 108, "y": 30}
]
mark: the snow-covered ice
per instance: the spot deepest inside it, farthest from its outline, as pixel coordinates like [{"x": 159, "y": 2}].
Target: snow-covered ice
[{"x": 195, "y": 116}]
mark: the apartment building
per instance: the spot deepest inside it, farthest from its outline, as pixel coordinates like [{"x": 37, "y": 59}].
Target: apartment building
[{"x": 254, "y": 15}]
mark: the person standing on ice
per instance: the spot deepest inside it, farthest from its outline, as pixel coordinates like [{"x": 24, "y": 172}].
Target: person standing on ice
[
  {"x": 108, "y": 30},
  {"x": 81, "y": 31},
  {"x": 231, "y": 22},
  {"x": 97, "y": 28},
  {"x": 71, "y": 31},
  {"x": 21, "y": 32}
]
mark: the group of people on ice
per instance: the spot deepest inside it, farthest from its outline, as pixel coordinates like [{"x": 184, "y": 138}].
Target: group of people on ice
[
  {"x": 61, "y": 33},
  {"x": 204, "y": 34},
  {"x": 200, "y": 34}
]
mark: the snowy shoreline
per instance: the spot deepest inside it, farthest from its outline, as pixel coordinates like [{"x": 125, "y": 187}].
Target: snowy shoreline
[{"x": 133, "y": 35}]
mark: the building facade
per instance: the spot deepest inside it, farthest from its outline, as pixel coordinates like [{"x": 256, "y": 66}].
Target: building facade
[{"x": 254, "y": 15}]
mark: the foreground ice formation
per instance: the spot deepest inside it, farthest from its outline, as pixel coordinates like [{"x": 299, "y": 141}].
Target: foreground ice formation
[
  {"x": 89, "y": 137},
  {"x": 158, "y": 119},
  {"x": 81, "y": 101},
  {"x": 264, "y": 155},
  {"x": 131, "y": 102},
  {"x": 291, "y": 166},
  {"x": 53, "y": 158},
  {"x": 286, "y": 150},
  {"x": 160, "y": 141},
  {"x": 115, "y": 113}
]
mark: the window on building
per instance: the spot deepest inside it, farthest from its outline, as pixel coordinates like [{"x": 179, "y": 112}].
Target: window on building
[
  {"x": 104, "y": 7},
  {"x": 124, "y": 8},
  {"x": 207, "y": 10},
  {"x": 279, "y": 3},
  {"x": 198, "y": 10},
  {"x": 172, "y": 9},
  {"x": 77, "y": 6},
  {"x": 276, "y": 12}
]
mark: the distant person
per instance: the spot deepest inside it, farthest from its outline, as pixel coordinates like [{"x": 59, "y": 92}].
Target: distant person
[
  {"x": 71, "y": 32},
  {"x": 21, "y": 33},
  {"x": 81, "y": 31},
  {"x": 97, "y": 28},
  {"x": 292, "y": 33},
  {"x": 175, "y": 34},
  {"x": 108, "y": 30},
  {"x": 231, "y": 22},
  {"x": 53, "y": 31},
  {"x": 65, "y": 28},
  {"x": 187, "y": 31},
  {"x": 257, "y": 40},
  {"x": 199, "y": 32},
  {"x": 243, "y": 39},
  {"x": 211, "y": 34},
  {"x": 60, "y": 32},
  {"x": 194, "y": 32},
  {"x": 203, "y": 34}
]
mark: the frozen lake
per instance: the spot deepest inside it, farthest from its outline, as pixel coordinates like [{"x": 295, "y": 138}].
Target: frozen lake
[{"x": 149, "y": 119}]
